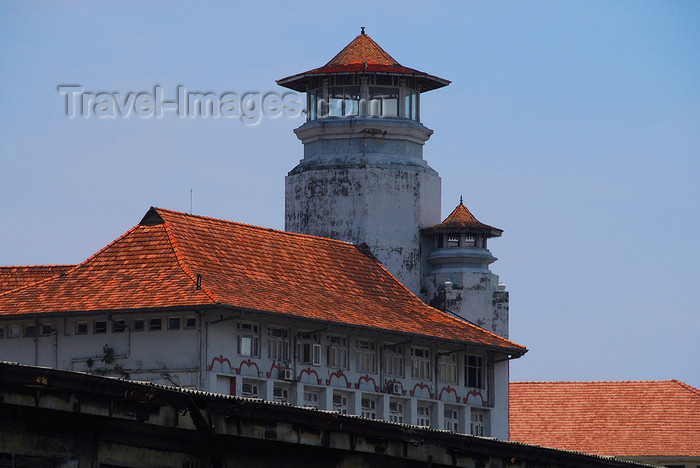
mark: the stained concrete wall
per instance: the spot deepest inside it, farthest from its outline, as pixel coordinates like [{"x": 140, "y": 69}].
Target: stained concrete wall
[{"x": 364, "y": 180}]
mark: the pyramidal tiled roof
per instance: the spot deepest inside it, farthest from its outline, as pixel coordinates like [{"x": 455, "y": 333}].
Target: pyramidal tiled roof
[
  {"x": 461, "y": 219},
  {"x": 156, "y": 264},
  {"x": 362, "y": 50},
  {"x": 362, "y": 54},
  {"x": 651, "y": 418},
  {"x": 13, "y": 277}
]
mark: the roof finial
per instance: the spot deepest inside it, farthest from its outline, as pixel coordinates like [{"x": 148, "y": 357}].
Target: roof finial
[
  {"x": 460, "y": 200},
  {"x": 362, "y": 30}
]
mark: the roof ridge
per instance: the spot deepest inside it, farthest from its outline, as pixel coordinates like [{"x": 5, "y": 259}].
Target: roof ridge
[
  {"x": 40, "y": 266},
  {"x": 181, "y": 261},
  {"x": 254, "y": 226},
  {"x": 686, "y": 386}
]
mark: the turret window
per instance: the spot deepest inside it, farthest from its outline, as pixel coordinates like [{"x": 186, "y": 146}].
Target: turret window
[
  {"x": 344, "y": 101},
  {"x": 384, "y": 102}
]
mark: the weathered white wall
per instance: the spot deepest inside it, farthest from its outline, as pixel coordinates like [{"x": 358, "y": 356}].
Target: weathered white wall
[
  {"x": 172, "y": 357},
  {"x": 499, "y": 413},
  {"x": 363, "y": 180},
  {"x": 473, "y": 296}
]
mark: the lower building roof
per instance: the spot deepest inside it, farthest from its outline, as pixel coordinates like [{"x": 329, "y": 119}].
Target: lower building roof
[{"x": 648, "y": 418}]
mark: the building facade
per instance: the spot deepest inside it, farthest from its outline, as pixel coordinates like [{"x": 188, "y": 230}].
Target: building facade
[{"x": 367, "y": 305}]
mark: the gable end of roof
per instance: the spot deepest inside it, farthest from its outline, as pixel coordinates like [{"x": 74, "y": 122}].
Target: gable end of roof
[{"x": 151, "y": 218}]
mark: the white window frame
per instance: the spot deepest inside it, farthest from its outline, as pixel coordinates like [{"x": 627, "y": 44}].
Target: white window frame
[
  {"x": 451, "y": 414},
  {"x": 473, "y": 371},
  {"x": 179, "y": 323},
  {"x": 424, "y": 414},
  {"x": 140, "y": 327},
  {"x": 248, "y": 339},
  {"x": 340, "y": 402},
  {"x": 337, "y": 352},
  {"x": 309, "y": 349},
  {"x": 78, "y": 325},
  {"x": 14, "y": 331},
  {"x": 119, "y": 326},
  {"x": 155, "y": 324},
  {"x": 396, "y": 411},
  {"x": 250, "y": 389},
  {"x": 368, "y": 407},
  {"x": 447, "y": 368},
  {"x": 421, "y": 367},
  {"x": 478, "y": 422},
  {"x": 102, "y": 327},
  {"x": 280, "y": 393},
  {"x": 394, "y": 358},
  {"x": 278, "y": 344},
  {"x": 311, "y": 398},
  {"x": 366, "y": 356},
  {"x": 185, "y": 325}
]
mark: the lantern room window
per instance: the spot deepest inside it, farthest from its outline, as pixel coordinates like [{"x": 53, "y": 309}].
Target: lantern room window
[{"x": 363, "y": 95}]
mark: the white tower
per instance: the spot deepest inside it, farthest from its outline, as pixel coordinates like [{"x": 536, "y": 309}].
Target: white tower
[{"x": 363, "y": 178}]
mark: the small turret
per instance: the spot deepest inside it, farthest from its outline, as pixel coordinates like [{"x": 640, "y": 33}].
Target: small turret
[{"x": 458, "y": 278}]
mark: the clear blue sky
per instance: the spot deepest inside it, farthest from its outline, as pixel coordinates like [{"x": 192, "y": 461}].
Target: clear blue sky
[{"x": 573, "y": 126}]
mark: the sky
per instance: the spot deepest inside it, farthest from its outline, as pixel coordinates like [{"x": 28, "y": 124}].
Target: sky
[{"x": 572, "y": 126}]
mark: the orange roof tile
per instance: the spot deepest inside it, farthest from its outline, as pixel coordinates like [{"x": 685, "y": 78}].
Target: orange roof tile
[
  {"x": 652, "y": 418},
  {"x": 363, "y": 55},
  {"x": 156, "y": 264},
  {"x": 462, "y": 220},
  {"x": 13, "y": 277}
]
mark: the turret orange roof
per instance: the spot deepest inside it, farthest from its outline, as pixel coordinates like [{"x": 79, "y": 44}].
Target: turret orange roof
[
  {"x": 462, "y": 220},
  {"x": 157, "y": 265},
  {"x": 363, "y": 55}
]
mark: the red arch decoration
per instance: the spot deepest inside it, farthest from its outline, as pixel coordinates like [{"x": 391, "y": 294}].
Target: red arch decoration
[
  {"x": 277, "y": 366},
  {"x": 449, "y": 389},
  {"x": 248, "y": 363},
  {"x": 475, "y": 393},
  {"x": 309, "y": 371},
  {"x": 422, "y": 386},
  {"x": 222, "y": 360},
  {"x": 386, "y": 389},
  {"x": 338, "y": 375},
  {"x": 367, "y": 378}
]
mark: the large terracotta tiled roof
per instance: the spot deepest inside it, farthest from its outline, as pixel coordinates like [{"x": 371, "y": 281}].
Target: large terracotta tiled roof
[
  {"x": 156, "y": 264},
  {"x": 363, "y": 55},
  {"x": 462, "y": 220},
  {"x": 652, "y": 418},
  {"x": 13, "y": 277}
]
